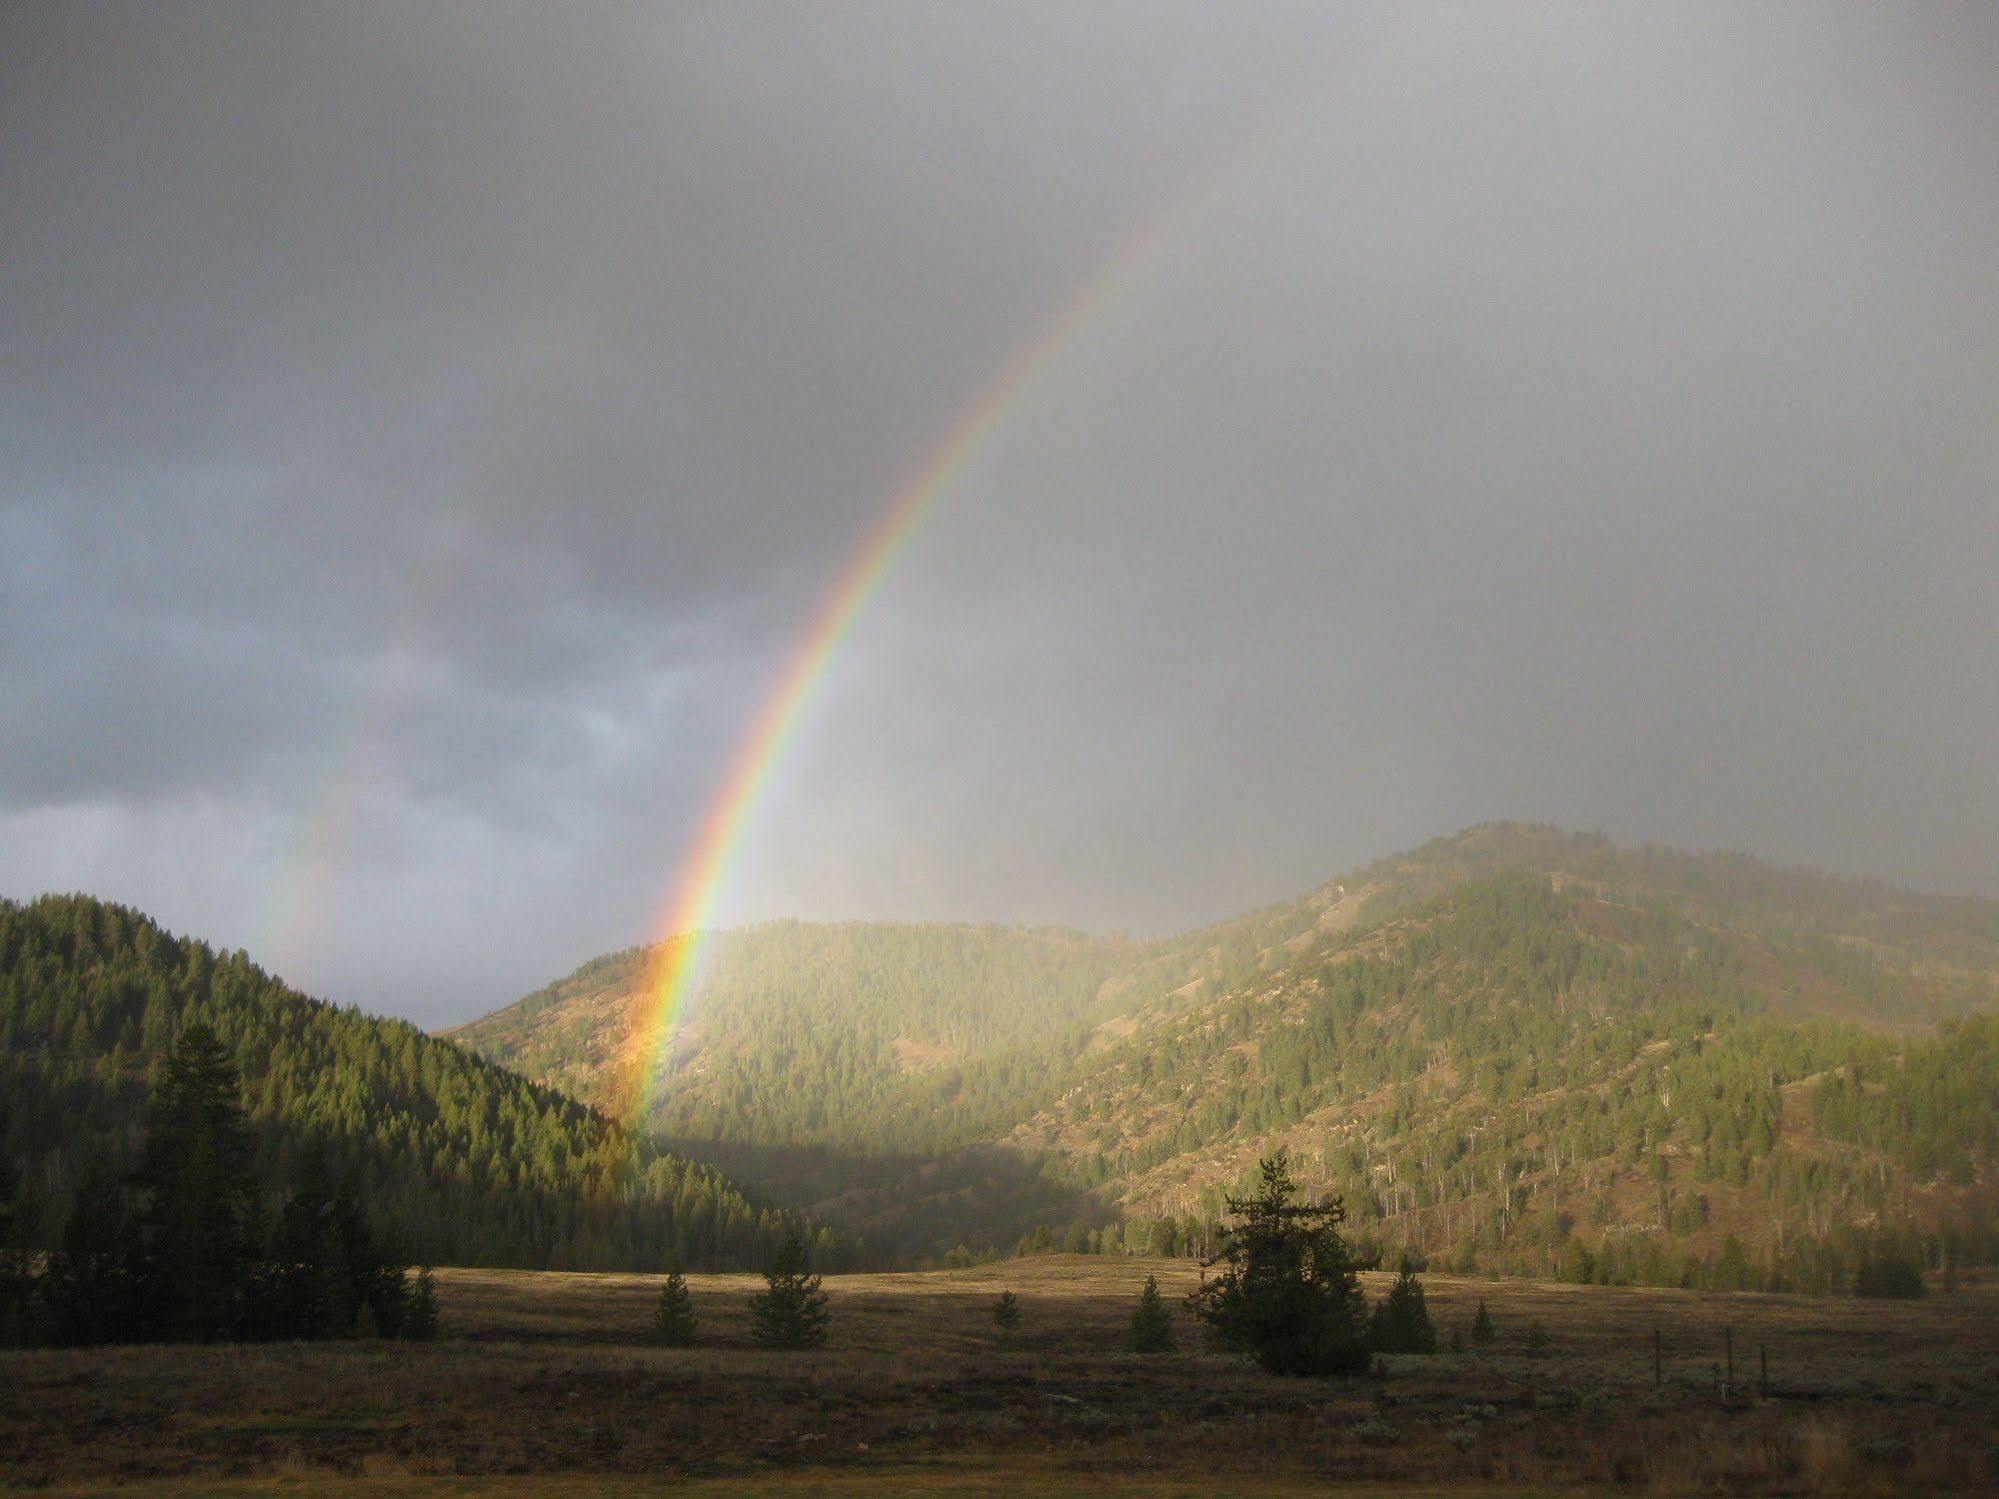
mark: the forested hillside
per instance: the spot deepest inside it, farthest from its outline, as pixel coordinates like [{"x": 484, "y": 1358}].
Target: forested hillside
[
  {"x": 825, "y": 1034},
  {"x": 862, "y": 1065},
  {"x": 1514, "y": 1049},
  {"x": 470, "y": 1163},
  {"x": 1515, "y": 1076}
]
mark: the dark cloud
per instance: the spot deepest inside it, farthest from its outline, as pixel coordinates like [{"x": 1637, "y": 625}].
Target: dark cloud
[{"x": 422, "y": 430}]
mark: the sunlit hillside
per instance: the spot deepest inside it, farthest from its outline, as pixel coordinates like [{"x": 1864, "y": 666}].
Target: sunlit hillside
[{"x": 1515, "y": 1048}]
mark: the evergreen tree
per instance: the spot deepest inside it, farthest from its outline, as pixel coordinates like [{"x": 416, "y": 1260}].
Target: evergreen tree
[
  {"x": 1890, "y": 1275},
  {"x": 1401, "y": 1320},
  {"x": 1290, "y": 1296},
  {"x": 1537, "y": 1339},
  {"x": 199, "y": 1169},
  {"x": 1006, "y": 1312},
  {"x": 90, "y": 1290},
  {"x": 673, "y": 1317},
  {"x": 16, "y": 1279},
  {"x": 374, "y": 1276},
  {"x": 326, "y": 1268},
  {"x": 419, "y": 1319},
  {"x": 303, "y": 1298},
  {"x": 1151, "y": 1328},
  {"x": 792, "y": 1312},
  {"x": 1481, "y": 1326}
]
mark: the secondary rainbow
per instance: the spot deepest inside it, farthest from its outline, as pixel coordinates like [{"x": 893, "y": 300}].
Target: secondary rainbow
[{"x": 704, "y": 874}]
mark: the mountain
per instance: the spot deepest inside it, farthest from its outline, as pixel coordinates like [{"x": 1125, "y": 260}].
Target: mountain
[
  {"x": 1513, "y": 1049},
  {"x": 470, "y": 1163}
]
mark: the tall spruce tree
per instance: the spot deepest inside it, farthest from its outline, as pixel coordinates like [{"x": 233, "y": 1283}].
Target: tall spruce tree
[
  {"x": 1289, "y": 1297},
  {"x": 792, "y": 1312},
  {"x": 200, "y": 1175},
  {"x": 16, "y": 1281},
  {"x": 91, "y": 1288},
  {"x": 303, "y": 1299}
]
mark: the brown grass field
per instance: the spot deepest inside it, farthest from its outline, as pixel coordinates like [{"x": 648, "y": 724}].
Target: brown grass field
[{"x": 545, "y": 1384}]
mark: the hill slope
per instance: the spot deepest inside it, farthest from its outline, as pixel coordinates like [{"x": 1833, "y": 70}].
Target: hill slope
[
  {"x": 471, "y": 1163},
  {"x": 886, "y": 1014},
  {"x": 1514, "y": 1048},
  {"x": 862, "y": 1066}
]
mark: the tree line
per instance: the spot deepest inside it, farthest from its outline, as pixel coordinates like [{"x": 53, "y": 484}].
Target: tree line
[{"x": 183, "y": 1248}]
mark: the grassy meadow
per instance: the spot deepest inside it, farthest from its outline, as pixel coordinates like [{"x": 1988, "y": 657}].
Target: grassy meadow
[{"x": 545, "y": 1383}]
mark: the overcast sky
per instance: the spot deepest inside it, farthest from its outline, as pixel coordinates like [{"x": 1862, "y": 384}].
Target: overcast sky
[{"x": 423, "y": 430}]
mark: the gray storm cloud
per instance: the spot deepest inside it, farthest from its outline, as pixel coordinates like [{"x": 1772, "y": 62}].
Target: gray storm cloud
[{"x": 424, "y": 430}]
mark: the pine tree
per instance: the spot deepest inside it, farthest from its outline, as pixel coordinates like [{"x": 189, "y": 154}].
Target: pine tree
[
  {"x": 199, "y": 1170},
  {"x": 301, "y": 1296},
  {"x": 1402, "y": 1321},
  {"x": 16, "y": 1279},
  {"x": 792, "y": 1312},
  {"x": 1537, "y": 1340},
  {"x": 1290, "y": 1296},
  {"x": 673, "y": 1317},
  {"x": 1151, "y": 1328},
  {"x": 1006, "y": 1312},
  {"x": 1889, "y": 1274},
  {"x": 90, "y": 1291},
  {"x": 373, "y": 1279},
  {"x": 419, "y": 1319},
  {"x": 1481, "y": 1326}
]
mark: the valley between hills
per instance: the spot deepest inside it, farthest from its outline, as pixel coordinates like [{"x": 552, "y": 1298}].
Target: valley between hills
[
  {"x": 1512, "y": 1051},
  {"x": 1608, "y": 1099}
]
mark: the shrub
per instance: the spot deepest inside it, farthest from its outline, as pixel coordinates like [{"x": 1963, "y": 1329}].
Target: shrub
[{"x": 1006, "y": 1312}]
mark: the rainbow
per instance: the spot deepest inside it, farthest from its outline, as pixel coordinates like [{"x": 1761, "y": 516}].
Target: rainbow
[
  {"x": 688, "y": 912},
  {"x": 292, "y": 925}
]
